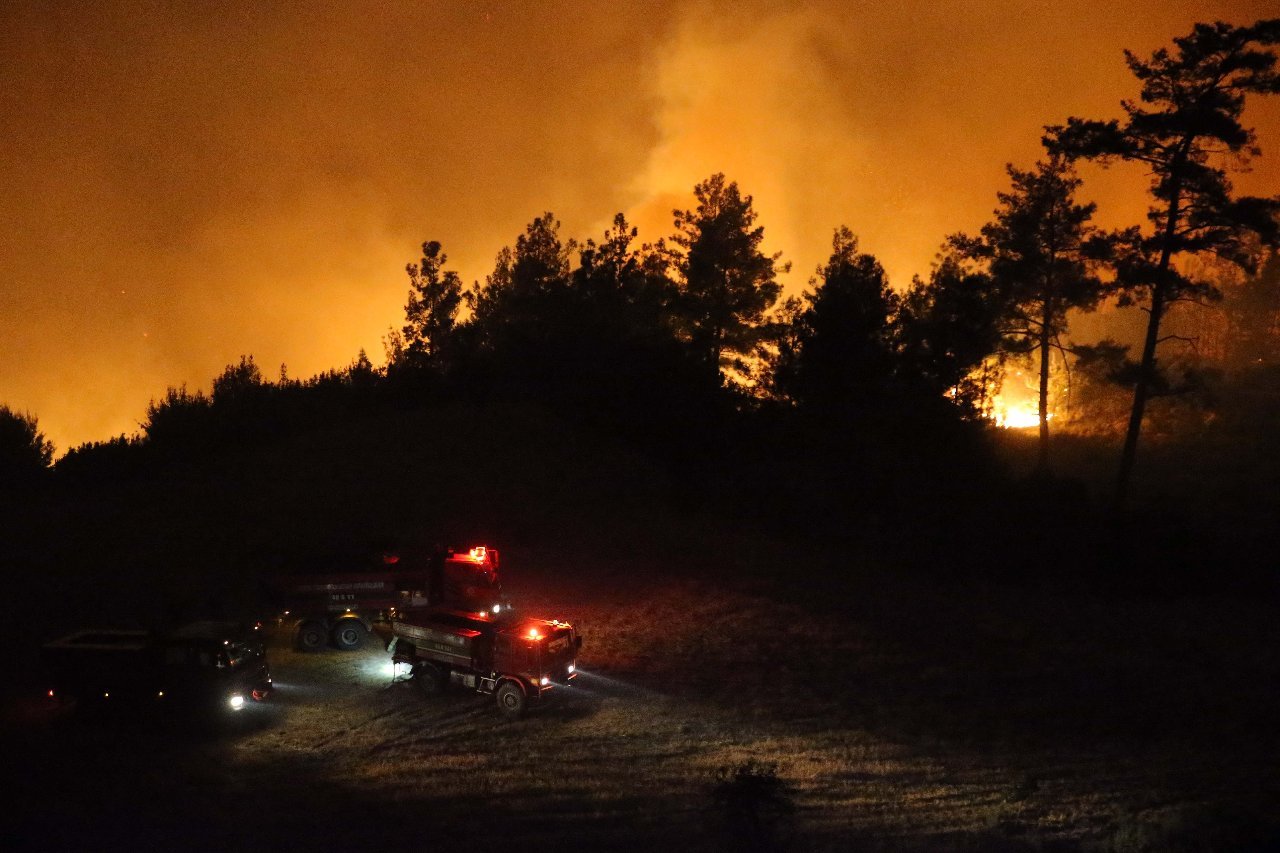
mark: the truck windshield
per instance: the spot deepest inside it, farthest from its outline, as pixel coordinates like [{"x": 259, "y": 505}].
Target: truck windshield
[
  {"x": 558, "y": 641},
  {"x": 187, "y": 656},
  {"x": 238, "y": 653}
]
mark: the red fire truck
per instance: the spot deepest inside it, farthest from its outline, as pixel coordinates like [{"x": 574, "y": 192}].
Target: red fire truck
[
  {"x": 515, "y": 659},
  {"x": 340, "y": 609}
]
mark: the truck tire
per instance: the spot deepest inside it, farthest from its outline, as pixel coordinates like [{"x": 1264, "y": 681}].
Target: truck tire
[
  {"x": 511, "y": 700},
  {"x": 430, "y": 679},
  {"x": 348, "y": 635},
  {"x": 312, "y": 636}
]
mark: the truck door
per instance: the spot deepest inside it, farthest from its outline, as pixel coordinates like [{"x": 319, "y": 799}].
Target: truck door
[
  {"x": 515, "y": 655},
  {"x": 188, "y": 668}
]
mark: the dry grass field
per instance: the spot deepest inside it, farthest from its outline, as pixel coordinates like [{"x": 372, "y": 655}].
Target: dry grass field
[{"x": 751, "y": 708}]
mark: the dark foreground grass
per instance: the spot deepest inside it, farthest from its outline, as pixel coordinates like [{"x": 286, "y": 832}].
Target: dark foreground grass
[{"x": 756, "y": 707}]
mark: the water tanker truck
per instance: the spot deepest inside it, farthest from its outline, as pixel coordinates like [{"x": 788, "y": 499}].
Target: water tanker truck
[
  {"x": 339, "y": 609},
  {"x": 515, "y": 659}
]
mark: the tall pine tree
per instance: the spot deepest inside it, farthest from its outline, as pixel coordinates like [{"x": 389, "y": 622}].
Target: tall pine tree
[
  {"x": 727, "y": 284},
  {"x": 1184, "y": 131},
  {"x": 1035, "y": 251},
  {"x": 431, "y": 312},
  {"x": 839, "y": 356}
]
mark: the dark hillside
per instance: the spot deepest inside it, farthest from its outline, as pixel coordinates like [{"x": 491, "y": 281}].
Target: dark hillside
[{"x": 176, "y": 536}]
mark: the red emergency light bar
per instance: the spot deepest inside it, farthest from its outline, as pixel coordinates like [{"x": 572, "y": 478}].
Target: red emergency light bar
[{"x": 480, "y": 555}]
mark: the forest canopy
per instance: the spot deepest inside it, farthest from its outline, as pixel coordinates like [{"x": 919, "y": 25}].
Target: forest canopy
[{"x": 687, "y": 348}]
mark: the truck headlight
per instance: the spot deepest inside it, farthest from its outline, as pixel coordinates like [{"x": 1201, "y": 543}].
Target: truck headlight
[
  {"x": 573, "y": 667},
  {"x": 236, "y": 702},
  {"x": 545, "y": 681}
]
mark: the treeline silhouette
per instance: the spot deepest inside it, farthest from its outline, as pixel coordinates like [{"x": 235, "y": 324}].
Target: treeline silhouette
[
  {"x": 674, "y": 348},
  {"x": 630, "y": 383}
]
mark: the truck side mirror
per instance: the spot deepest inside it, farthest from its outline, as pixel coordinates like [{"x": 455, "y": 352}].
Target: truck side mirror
[{"x": 577, "y": 642}]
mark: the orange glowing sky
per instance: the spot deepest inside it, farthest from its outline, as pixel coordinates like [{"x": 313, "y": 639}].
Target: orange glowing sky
[{"x": 188, "y": 182}]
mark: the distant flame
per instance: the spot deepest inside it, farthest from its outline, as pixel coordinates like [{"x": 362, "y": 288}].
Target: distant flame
[
  {"x": 1017, "y": 404},
  {"x": 1017, "y": 416}
]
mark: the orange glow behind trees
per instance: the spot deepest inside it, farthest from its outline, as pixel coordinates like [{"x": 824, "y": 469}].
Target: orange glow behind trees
[{"x": 261, "y": 176}]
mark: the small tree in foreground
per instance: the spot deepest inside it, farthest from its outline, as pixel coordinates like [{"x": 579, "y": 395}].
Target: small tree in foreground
[{"x": 755, "y": 805}]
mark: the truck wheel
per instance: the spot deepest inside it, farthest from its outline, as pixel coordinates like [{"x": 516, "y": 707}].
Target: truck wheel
[
  {"x": 312, "y": 636},
  {"x": 511, "y": 700},
  {"x": 348, "y": 635},
  {"x": 429, "y": 678}
]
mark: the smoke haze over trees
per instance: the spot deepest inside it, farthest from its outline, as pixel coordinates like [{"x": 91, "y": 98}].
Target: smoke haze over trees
[
  {"x": 262, "y": 171},
  {"x": 854, "y": 402}
]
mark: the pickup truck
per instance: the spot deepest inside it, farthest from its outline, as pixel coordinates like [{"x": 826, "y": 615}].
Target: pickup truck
[{"x": 203, "y": 666}]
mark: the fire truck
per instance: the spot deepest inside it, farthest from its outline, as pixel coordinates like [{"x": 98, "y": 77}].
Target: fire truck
[
  {"x": 515, "y": 659},
  {"x": 340, "y": 609}
]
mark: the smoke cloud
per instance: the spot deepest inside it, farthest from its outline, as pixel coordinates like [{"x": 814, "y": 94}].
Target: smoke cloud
[{"x": 186, "y": 183}]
